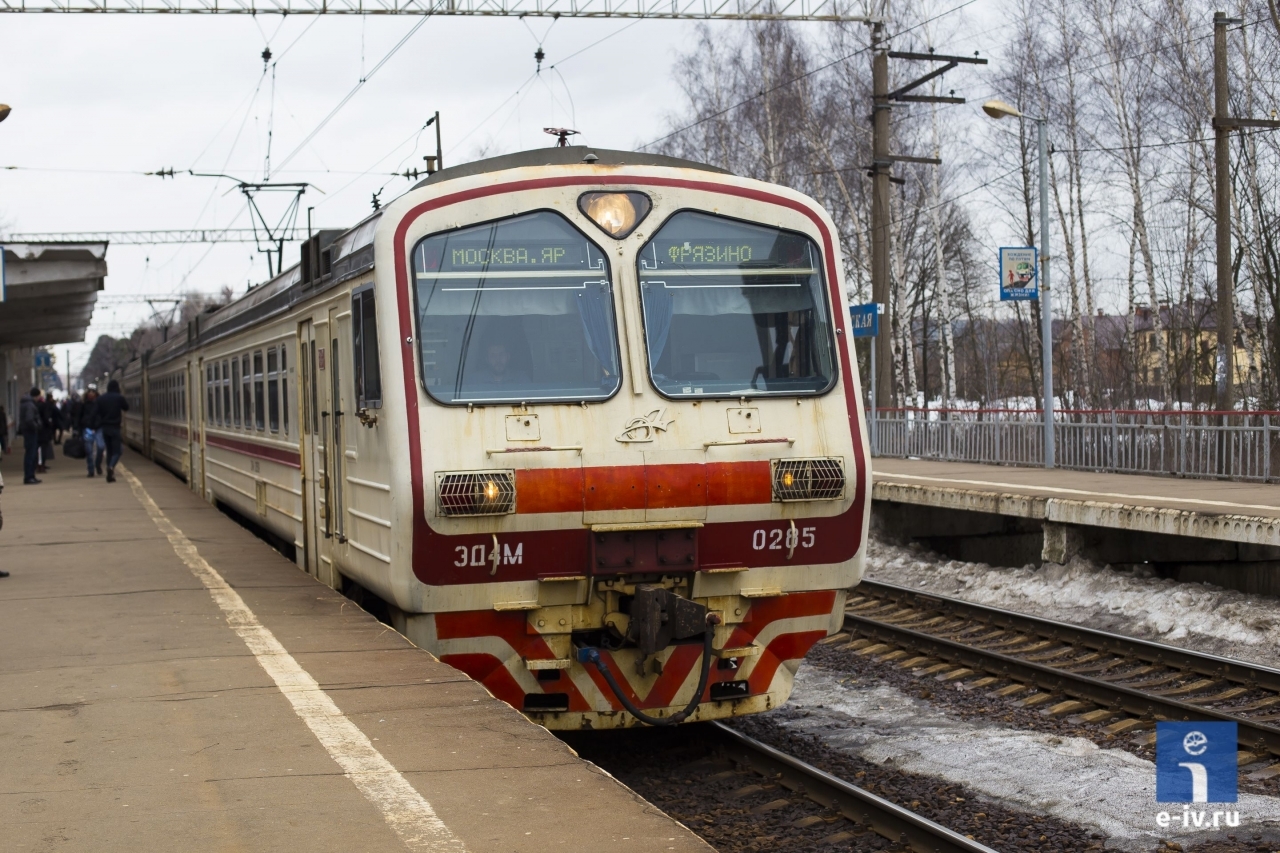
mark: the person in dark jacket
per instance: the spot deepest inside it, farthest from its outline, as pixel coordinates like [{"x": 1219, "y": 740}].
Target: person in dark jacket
[
  {"x": 89, "y": 425},
  {"x": 111, "y": 407},
  {"x": 4, "y": 430},
  {"x": 48, "y": 428},
  {"x": 29, "y": 429}
]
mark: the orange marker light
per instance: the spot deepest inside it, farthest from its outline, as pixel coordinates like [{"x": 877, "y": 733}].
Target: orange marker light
[{"x": 490, "y": 491}]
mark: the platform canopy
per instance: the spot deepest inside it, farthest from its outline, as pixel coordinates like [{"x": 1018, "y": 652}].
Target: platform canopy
[{"x": 49, "y": 292}]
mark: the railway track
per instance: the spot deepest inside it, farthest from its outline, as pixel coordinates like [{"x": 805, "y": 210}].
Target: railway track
[
  {"x": 867, "y": 811},
  {"x": 1087, "y": 675}
]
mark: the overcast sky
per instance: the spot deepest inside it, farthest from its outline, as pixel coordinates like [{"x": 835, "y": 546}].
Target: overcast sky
[{"x": 99, "y": 99}]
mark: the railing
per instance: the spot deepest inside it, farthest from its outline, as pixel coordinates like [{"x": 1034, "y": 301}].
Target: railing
[{"x": 1211, "y": 445}]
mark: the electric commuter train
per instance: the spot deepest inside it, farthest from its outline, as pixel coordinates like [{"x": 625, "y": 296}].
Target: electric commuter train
[{"x": 586, "y": 420}]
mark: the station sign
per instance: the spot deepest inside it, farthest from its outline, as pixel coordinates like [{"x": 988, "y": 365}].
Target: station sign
[
  {"x": 1019, "y": 273},
  {"x": 864, "y": 320}
]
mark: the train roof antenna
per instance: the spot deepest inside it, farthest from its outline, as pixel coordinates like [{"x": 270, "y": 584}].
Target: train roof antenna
[{"x": 561, "y": 133}]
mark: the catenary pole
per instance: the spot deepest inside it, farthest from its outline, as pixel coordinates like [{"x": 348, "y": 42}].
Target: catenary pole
[
  {"x": 1046, "y": 299},
  {"x": 1223, "y": 369},
  {"x": 880, "y": 213}
]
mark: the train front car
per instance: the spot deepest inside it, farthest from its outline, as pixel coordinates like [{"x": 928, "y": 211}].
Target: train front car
[{"x": 634, "y": 451}]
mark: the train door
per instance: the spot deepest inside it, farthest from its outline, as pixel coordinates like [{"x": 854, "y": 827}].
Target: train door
[
  {"x": 314, "y": 484},
  {"x": 195, "y": 424},
  {"x": 338, "y": 331}
]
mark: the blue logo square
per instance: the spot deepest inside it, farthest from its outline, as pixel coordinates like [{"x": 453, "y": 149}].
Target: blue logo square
[{"x": 1196, "y": 763}]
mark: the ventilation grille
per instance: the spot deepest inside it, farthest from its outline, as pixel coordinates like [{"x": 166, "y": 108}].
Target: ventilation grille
[
  {"x": 476, "y": 493},
  {"x": 808, "y": 479}
]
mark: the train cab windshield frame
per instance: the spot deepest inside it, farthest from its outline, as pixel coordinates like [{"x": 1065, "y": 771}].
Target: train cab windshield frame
[
  {"x": 519, "y": 309},
  {"x": 735, "y": 309}
]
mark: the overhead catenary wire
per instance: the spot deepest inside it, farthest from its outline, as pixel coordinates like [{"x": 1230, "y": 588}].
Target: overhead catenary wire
[{"x": 359, "y": 85}]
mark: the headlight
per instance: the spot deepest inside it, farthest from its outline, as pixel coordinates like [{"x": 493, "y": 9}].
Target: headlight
[
  {"x": 476, "y": 493},
  {"x": 808, "y": 479},
  {"x": 617, "y": 213}
]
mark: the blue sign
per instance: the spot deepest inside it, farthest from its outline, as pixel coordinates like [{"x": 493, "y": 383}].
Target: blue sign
[
  {"x": 1019, "y": 273},
  {"x": 864, "y": 320},
  {"x": 1196, "y": 763}
]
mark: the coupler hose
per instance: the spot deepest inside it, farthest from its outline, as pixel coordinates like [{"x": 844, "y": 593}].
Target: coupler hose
[{"x": 587, "y": 654}]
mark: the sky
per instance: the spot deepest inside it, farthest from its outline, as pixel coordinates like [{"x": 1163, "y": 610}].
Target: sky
[{"x": 98, "y": 100}]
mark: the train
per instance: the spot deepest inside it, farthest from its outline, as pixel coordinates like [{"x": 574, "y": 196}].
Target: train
[{"x": 587, "y": 422}]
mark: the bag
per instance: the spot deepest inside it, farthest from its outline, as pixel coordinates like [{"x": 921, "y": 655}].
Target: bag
[{"x": 73, "y": 447}]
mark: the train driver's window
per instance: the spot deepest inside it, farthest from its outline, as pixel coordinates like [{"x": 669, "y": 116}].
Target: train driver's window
[
  {"x": 364, "y": 353},
  {"x": 520, "y": 309},
  {"x": 209, "y": 416},
  {"x": 734, "y": 309},
  {"x": 273, "y": 390}
]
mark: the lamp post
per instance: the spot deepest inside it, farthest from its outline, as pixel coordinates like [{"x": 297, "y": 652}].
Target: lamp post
[{"x": 998, "y": 110}]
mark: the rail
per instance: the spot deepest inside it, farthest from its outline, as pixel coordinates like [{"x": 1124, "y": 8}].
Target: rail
[
  {"x": 884, "y": 818},
  {"x": 1205, "y": 445},
  {"x": 1081, "y": 668}
]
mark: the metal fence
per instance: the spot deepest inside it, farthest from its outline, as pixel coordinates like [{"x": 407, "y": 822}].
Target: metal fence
[{"x": 1211, "y": 445}]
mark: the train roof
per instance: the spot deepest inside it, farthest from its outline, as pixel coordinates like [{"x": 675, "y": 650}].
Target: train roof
[{"x": 570, "y": 155}]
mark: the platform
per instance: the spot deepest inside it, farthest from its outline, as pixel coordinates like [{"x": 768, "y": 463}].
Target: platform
[
  {"x": 1221, "y": 532},
  {"x": 146, "y": 704}
]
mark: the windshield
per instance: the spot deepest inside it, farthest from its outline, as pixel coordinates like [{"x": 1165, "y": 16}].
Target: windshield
[
  {"x": 515, "y": 310},
  {"x": 734, "y": 309}
]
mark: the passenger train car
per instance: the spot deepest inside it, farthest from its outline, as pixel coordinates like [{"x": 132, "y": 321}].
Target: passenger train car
[{"x": 586, "y": 420}]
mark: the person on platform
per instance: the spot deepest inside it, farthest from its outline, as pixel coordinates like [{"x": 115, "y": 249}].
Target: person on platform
[
  {"x": 29, "y": 429},
  {"x": 111, "y": 407},
  {"x": 4, "y": 430},
  {"x": 89, "y": 423},
  {"x": 49, "y": 418}
]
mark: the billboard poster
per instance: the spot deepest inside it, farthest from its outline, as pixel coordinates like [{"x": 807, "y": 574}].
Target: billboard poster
[{"x": 1019, "y": 273}]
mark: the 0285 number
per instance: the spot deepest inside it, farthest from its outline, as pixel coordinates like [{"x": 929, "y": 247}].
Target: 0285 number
[{"x": 778, "y": 538}]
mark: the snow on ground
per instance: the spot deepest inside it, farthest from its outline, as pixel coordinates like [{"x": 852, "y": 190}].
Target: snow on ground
[
  {"x": 1107, "y": 790},
  {"x": 1196, "y": 616}
]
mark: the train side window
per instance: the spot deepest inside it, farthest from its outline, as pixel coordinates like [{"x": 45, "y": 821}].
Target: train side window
[
  {"x": 209, "y": 417},
  {"x": 234, "y": 391},
  {"x": 259, "y": 413},
  {"x": 273, "y": 390},
  {"x": 364, "y": 354},
  {"x": 226, "y": 395},
  {"x": 246, "y": 390},
  {"x": 315, "y": 397},
  {"x": 284, "y": 389}
]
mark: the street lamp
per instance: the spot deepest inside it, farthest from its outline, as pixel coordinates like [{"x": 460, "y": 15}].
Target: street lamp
[{"x": 998, "y": 110}]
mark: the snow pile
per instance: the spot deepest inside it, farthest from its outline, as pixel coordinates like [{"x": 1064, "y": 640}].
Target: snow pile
[
  {"x": 1107, "y": 790},
  {"x": 1197, "y": 616}
]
